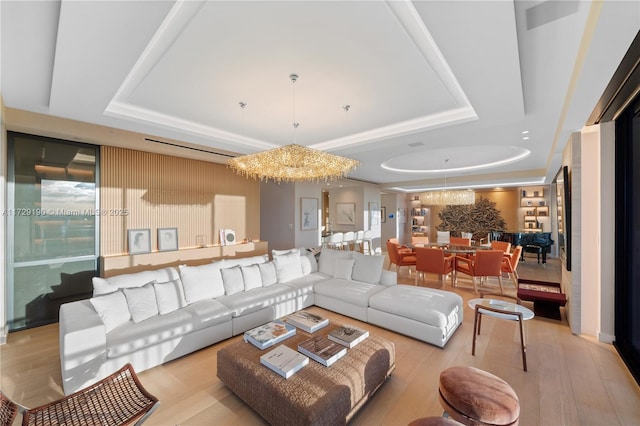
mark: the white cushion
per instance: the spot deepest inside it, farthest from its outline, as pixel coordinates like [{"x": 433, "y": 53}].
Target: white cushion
[
  {"x": 202, "y": 282},
  {"x": 142, "y": 302},
  {"x": 275, "y": 253},
  {"x": 112, "y": 309},
  {"x": 308, "y": 263},
  {"x": 137, "y": 279},
  {"x": 288, "y": 266},
  {"x": 343, "y": 269},
  {"x": 251, "y": 276},
  {"x": 232, "y": 279},
  {"x": 367, "y": 269},
  {"x": 245, "y": 261},
  {"x": 169, "y": 296},
  {"x": 328, "y": 258},
  {"x": 268, "y": 274}
]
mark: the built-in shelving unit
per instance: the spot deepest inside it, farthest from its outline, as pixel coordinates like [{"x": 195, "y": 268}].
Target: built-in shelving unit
[
  {"x": 534, "y": 208},
  {"x": 419, "y": 218}
]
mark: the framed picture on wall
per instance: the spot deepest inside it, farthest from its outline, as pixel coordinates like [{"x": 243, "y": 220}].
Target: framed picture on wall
[
  {"x": 139, "y": 241},
  {"x": 346, "y": 213},
  {"x": 374, "y": 214},
  {"x": 308, "y": 214},
  {"x": 383, "y": 214},
  {"x": 402, "y": 215},
  {"x": 167, "y": 239}
]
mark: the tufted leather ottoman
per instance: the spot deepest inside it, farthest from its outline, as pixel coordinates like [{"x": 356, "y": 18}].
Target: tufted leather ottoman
[{"x": 475, "y": 397}]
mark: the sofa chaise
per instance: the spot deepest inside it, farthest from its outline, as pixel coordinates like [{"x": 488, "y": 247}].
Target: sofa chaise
[{"x": 151, "y": 317}]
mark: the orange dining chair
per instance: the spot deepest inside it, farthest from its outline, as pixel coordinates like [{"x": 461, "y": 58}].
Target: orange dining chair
[
  {"x": 401, "y": 247},
  {"x": 501, "y": 245},
  {"x": 457, "y": 241},
  {"x": 400, "y": 258},
  {"x": 486, "y": 263},
  {"x": 510, "y": 264},
  {"x": 433, "y": 260}
]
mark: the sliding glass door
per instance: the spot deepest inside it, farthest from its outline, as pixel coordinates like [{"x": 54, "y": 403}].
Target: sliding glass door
[{"x": 52, "y": 237}]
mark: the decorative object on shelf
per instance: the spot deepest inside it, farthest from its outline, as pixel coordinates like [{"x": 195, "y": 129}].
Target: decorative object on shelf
[
  {"x": 227, "y": 237},
  {"x": 139, "y": 241},
  {"x": 293, "y": 163},
  {"x": 346, "y": 213},
  {"x": 446, "y": 197},
  {"x": 167, "y": 239},
  {"x": 201, "y": 240},
  {"x": 374, "y": 215},
  {"x": 308, "y": 214}
]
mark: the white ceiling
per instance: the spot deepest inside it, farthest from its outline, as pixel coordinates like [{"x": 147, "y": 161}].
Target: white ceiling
[{"x": 430, "y": 84}]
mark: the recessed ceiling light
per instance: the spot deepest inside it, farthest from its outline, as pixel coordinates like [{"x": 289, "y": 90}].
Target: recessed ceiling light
[
  {"x": 524, "y": 132},
  {"x": 526, "y": 138}
]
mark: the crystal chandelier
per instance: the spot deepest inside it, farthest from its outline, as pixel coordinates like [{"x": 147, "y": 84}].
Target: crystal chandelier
[
  {"x": 293, "y": 163},
  {"x": 446, "y": 197}
]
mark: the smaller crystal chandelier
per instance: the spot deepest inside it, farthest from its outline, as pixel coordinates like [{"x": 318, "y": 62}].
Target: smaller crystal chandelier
[
  {"x": 446, "y": 197},
  {"x": 293, "y": 163}
]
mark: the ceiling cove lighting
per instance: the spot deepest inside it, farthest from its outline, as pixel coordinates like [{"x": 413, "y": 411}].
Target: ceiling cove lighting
[
  {"x": 293, "y": 163},
  {"x": 446, "y": 197}
]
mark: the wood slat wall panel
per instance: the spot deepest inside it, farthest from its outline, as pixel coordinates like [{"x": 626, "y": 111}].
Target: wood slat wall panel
[{"x": 159, "y": 191}]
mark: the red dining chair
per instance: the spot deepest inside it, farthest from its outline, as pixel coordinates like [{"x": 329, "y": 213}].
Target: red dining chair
[
  {"x": 457, "y": 241},
  {"x": 400, "y": 258},
  {"x": 433, "y": 260},
  {"x": 501, "y": 245},
  {"x": 486, "y": 263}
]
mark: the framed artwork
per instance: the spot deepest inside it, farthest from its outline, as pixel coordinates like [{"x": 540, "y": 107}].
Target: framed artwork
[
  {"x": 374, "y": 214},
  {"x": 402, "y": 215},
  {"x": 308, "y": 214},
  {"x": 227, "y": 237},
  {"x": 383, "y": 214},
  {"x": 346, "y": 213},
  {"x": 139, "y": 241},
  {"x": 167, "y": 239}
]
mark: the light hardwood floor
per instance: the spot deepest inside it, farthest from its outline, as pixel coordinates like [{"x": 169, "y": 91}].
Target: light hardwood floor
[{"x": 572, "y": 380}]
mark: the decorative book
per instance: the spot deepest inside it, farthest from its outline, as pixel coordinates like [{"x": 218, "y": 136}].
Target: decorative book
[
  {"x": 322, "y": 350},
  {"x": 269, "y": 334},
  {"x": 307, "y": 321},
  {"x": 284, "y": 361},
  {"x": 348, "y": 336}
]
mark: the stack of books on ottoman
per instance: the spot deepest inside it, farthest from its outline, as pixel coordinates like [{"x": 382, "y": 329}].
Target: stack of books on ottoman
[
  {"x": 269, "y": 334},
  {"x": 284, "y": 361},
  {"x": 348, "y": 336},
  {"x": 307, "y": 321},
  {"x": 322, "y": 350}
]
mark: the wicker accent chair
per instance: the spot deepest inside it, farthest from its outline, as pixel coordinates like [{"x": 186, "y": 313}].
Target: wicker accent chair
[
  {"x": 8, "y": 410},
  {"x": 118, "y": 399}
]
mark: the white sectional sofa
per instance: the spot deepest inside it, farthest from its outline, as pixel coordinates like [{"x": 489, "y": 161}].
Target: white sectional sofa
[{"x": 155, "y": 316}]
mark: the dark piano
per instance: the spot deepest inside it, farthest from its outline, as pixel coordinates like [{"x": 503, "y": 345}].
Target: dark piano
[{"x": 531, "y": 242}]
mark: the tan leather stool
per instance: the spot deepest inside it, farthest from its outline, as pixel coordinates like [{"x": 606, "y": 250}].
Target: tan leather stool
[
  {"x": 434, "y": 421},
  {"x": 475, "y": 397}
]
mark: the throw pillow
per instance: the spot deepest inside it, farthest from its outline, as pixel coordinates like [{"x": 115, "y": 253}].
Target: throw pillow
[
  {"x": 268, "y": 273},
  {"x": 328, "y": 257},
  {"x": 142, "y": 302},
  {"x": 367, "y": 269},
  {"x": 275, "y": 253},
  {"x": 232, "y": 279},
  {"x": 251, "y": 277},
  {"x": 343, "y": 269},
  {"x": 202, "y": 282},
  {"x": 288, "y": 266},
  {"x": 169, "y": 296},
  {"x": 308, "y": 263},
  {"x": 112, "y": 309}
]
